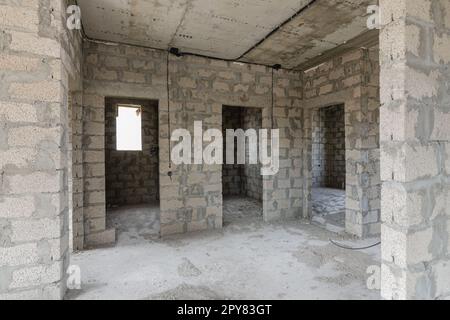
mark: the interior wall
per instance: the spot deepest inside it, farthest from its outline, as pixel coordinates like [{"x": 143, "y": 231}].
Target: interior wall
[
  {"x": 191, "y": 198},
  {"x": 252, "y": 184},
  {"x": 75, "y": 176},
  {"x": 328, "y": 147},
  {"x": 351, "y": 79},
  {"x": 241, "y": 179},
  {"x": 132, "y": 177}
]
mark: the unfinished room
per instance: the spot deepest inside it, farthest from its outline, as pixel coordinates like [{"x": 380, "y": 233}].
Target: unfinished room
[{"x": 225, "y": 150}]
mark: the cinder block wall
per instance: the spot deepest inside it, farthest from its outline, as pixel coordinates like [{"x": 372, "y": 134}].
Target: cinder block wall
[
  {"x": 191, "y": 199},
  {"x": 37, "y": 59},
  {"x": 415, "y": 149},
  {"x": 75, "y": 169},
  {"x": 351, "y": 79},
  {"x": 252, "y": 184},
  {"x": 328, "y": 147},
  {"x": 132, "y": 177}
]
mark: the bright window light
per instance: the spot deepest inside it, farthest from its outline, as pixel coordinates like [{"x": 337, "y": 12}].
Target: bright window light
[{"x": 128, "y": 128}]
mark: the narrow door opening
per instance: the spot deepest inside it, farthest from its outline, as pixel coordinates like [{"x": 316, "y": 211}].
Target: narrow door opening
[
  {"x": 241, "y": 183},
  {"x": 329, "y": 167},
  {"x": 132, "y": 167}
]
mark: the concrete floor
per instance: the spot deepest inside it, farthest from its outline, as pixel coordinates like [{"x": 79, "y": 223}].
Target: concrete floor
[
  {"x": 134, "y": 223},
  {"x": 328, "y": 208},
  {"x": 238, "y": 209},
  {"x": 248, "y": 259}
]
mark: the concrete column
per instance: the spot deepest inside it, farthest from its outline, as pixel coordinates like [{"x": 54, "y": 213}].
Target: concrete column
[
  {"x": 76, "y": 175},
  {"x": 283, "y": 192},
  {"x": 363, "y": 152},
  {"x": 415, "y": 149},
  {"x": 33, "y": 165}
]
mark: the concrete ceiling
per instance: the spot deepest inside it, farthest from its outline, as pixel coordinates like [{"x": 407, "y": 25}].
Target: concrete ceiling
[
  {"x": 324, "y": 26},
  {"x": 228, "y": 28},
  {"x": 220, "y": 28}
]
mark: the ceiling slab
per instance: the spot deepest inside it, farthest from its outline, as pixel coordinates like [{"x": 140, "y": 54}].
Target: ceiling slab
[
  {"x": 220, "y": 28},
  {"x": 324, "y": 26},
  {"x": 227, "y": 29},
  {"x": 140, "y": 22}
]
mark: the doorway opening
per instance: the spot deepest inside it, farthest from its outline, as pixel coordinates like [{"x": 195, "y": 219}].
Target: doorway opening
[
  {"x": 242, "y": 184},
  {"x": 329, "y": 167},
  {"x": 132, "y": 168}
]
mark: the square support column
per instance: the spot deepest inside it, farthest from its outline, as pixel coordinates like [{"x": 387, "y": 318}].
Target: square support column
[
  {"x": 415, "y": 149},
  {"x": 34, "y": 241}
]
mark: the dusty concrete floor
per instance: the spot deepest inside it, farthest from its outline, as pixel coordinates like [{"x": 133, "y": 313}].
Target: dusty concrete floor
[
  {"x": 134, "y": 223},
  {"x": 238, "y": 209},
  {"x": 328, "y": 208},
  {"x": 248, "y": 259}
]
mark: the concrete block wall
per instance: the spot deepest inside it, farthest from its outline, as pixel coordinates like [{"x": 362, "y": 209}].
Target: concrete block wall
[
  {"x": 35, "y": 66},
  {"x": 132, "y": 177},
  {"x": 328, "y": 147},
  {"x": 191, "y": 199},
  {"x": 75, "y": 171},
  {"x": 71, "y": 57},
  {"x": 283, "y": 193},
  {"x": 252, "y": 184},
  {"x": 415, "y": 170},
  {"x": 200, "y": 87},
  {"x": 351, "y": 79}
]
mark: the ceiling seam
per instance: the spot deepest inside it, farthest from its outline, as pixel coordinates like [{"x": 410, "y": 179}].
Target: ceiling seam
[
  {"x": 277, "y": 29},
  {"x": 188, "y": 6}
]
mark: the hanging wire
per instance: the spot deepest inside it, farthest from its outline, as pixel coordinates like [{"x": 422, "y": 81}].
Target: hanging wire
[
  {"x": 273, "y": 101},
  {"x": 274, "y": 67},
  {"x": 168, "y": 115}
]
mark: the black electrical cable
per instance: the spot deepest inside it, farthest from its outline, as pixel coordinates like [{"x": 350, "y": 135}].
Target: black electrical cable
[
  {"x": 168, "y": 114},
  {"x": 238, "y": 59},
  {"x": 355, "y": 249},
  {"x": 274, "y": 67},
  {"x": 273, "y": 101}
]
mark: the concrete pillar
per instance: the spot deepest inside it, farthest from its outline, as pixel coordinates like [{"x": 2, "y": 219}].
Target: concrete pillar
[
  {"x": 33, "y": 145},
  {"x": 415, "y": 149}
]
